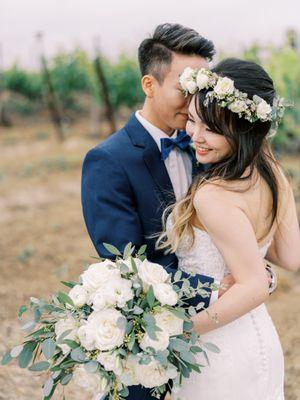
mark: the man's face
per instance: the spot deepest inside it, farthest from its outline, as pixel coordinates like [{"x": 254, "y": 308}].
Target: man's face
[{"x": 168, "y": 102}]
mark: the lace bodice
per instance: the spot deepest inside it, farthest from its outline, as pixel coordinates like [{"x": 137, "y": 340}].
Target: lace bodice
[{"x": 203, "y": 257}]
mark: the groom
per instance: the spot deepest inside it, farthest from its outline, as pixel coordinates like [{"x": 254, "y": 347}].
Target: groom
[{"x": 130, "y": 178}]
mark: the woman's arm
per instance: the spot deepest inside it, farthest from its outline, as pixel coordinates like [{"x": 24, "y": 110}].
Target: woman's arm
[
  {"x": 285, "y": 248},
  {"x": 232, "y": 233}
]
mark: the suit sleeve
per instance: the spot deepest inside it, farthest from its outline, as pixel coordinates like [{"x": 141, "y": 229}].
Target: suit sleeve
[{"x": 108, "y": 203}]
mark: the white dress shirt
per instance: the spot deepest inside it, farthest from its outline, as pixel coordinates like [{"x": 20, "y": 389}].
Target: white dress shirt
[
  {"x": 178, "y": 162},
  {"x": 179, "y": 168}
]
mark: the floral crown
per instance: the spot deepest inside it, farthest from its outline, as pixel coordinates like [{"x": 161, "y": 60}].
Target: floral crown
[{"x": 225, "y": 93}]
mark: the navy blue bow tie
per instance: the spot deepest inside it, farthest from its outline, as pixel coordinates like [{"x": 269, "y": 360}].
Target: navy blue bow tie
[{"x": 182, "y": 141}]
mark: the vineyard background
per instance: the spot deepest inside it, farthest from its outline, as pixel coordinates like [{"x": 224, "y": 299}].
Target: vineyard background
[{"x": 43, "y": 237}]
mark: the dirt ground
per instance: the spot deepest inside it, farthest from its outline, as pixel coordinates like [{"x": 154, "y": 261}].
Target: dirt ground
[{"x": 44, "y": 241}]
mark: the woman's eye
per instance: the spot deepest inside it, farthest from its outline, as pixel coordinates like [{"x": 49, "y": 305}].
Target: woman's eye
[
  {"x": 190, "y": 120},
  {"x": 208, "y": 130}
]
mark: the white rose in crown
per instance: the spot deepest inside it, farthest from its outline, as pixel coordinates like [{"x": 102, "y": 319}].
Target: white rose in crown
[
  {"x": 64, "y": 325},
  {"x": 165, "y": 294},
  {"x": 105, "y": 330},
  {"x": 128, "y": 376},
  {"x": 152, "y": 374},
  {"x": 117, "y": 293},
  {"x": 263, "y": 110},
  {"x": 110, "y": 361},
  {"x": 151, "y": 274},
  {"x": 169, "y": 322},
  {"x": 224, "y": 87},
  {"x": 202, "y": 79},
  {"x": 238, "y": 106},
  {"x": 79, "y": 295},
  {"x": 160, "y": 344},
  {"x": 93, "y": 383},
  {"x": 99, "y": 274},
  {"x": 187, "y": 80}
]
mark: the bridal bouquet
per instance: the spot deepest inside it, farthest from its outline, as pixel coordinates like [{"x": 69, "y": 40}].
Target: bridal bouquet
[{"x": 126, "y": 322}]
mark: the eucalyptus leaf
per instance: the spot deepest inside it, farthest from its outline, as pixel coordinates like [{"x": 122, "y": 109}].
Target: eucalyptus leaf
[
  {"x": 69, "y": 284},
  {"x": 61, "y": 337},
  {"x": 212, "y": 347},
  {"x": 6, "y": 358},
  {"x": 142, "y": 250},
  {"x": 112, "y": 249},
  {"x": 128, "y": 250},
  {"x": 78, "y": 355},
  {"x": 121, "y": 322},
  {"x": 48, "y": 348},
  {"x": 188, "y": 357},
  {"x": 26, "y": 354},
  {"x": 40, "y": 366},
  {"x": 15, "y": 352},
  {"x": 91, "y": 366},
  {"x": 150, "y": 297},
  {"x": 63, "y": 298},
  {"x": 48, "y": 386},
  {"x": 29, "y": 326},
  {"x": 22, "y": 310},
  {"x": 66, "y": 379}
]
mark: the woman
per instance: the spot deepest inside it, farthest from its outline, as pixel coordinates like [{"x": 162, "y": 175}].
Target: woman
[{"x": 239, "y": 211}]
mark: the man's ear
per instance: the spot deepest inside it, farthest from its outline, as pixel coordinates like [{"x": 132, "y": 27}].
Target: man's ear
[{"x": 148, "y": 85}]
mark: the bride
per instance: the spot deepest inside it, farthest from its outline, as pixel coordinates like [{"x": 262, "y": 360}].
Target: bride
[{"x": 236, "y": 213}]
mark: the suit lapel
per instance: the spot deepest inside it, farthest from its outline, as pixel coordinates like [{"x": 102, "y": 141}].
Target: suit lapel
[{"x": 140, "y": 137}]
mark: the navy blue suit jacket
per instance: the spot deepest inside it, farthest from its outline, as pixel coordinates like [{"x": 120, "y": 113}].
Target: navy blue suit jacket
[{"x": 125, "y": 189}]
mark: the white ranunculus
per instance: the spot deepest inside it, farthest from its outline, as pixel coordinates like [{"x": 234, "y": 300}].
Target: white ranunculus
[
  {"x": 238, "y": 106},
  {"x": 169, "y": 322},
  {"x": 161, "y": 343},
  {"x": 86, "y": 336},
  {"x": 224, "y": 87},
  {"x": 110, "y": 361},
  {"x": 79, "y": 295},
  {"x": 107, "y": 334},
  {"x": 165, "y": 294},
  {"x": 64, "y": 325},
  {"x": 128, "y": 376},
  {"x": 152, "y": 374},
  {"x": 263, "y": 110},
  {"x": 92, "y": 382},
  {"x": 151, "y": 274},
  {"x": 99, "y": 274},
  {"x": 202, "y": 79}
]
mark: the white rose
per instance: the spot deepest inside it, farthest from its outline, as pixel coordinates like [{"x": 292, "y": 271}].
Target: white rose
[
  {"x": 79, "y": 295},
  {"x": 186, "y": 77},
  {"x": 202, "y": 79},
  {"x": 128, "y": 376},
  {"x": 237, "y": 106},
  {"x": 191, "y": 86},
  {"x": 110, "y": 361},
  {"x": 151, "y": 274},
  {"x": 107, "y": 334},
  {"x": 117, "y": 293},
  {"x": 86, "y": 336},
  {"x": 224, "y": 87},
  {"x": 64, "y": 325},
  {"x": 263, "y": 110},
  {"x": 99, "y": 274},
  {"x": 161, "y": 343},
  {"x": 93, "y": 383},
  {"x": 169, "y": 322},
  {"x": 152, "y": 374},
  {"x": 165, "y": 294}
]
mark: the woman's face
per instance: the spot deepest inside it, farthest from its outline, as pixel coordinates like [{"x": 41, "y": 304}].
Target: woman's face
[{"x": 210, "y": 147}]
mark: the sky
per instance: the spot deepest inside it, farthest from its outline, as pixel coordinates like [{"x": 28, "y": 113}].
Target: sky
[{"x": 120, "y": 25}]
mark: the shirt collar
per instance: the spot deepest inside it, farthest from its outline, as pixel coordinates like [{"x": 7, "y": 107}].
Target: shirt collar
[{"x": 155, "y": 132}]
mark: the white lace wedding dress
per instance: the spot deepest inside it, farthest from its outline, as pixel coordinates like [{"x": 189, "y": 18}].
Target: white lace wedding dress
[{"x": 250, "y": 365}]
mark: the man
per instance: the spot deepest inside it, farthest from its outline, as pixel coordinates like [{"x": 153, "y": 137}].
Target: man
[{"x": 130, "y": 178}]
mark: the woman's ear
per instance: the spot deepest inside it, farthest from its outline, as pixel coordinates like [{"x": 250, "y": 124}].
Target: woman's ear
[{"x": 148, "y": 85}]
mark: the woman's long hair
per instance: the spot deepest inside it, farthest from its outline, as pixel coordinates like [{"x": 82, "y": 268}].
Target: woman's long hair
[{"x": 248, "y": 142}]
